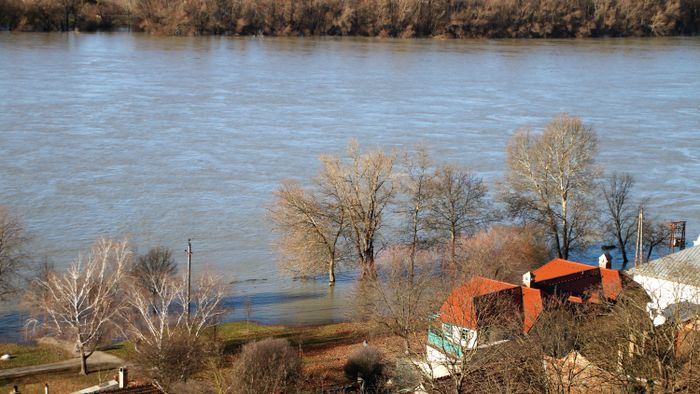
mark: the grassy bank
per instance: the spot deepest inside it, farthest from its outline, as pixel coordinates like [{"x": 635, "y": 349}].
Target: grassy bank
[
  {"x": 325, "y": 349},
  {"x": 26, "y": 355}
]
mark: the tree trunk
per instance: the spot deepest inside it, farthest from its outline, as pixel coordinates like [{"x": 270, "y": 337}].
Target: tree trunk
[
  {"x": 453, "y": 246},
  {"x": 369, "y": 270},
  {"x": 83, "y": 362},
  {"x": 331, "y": 272},
  {"x": 621, "y": 244}
]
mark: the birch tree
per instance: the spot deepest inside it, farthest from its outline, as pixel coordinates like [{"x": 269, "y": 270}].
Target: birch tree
[
  {"x": 550, "y": 179},
  {"x": 82, "y": 303},
  {"x": 168, "y": 341}
]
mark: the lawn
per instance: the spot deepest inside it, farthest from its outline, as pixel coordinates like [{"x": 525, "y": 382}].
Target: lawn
[
  {"x": 325, "y": 349},
  {"x": 64, "y": 382},
  {"x": 24, "y": 355}
]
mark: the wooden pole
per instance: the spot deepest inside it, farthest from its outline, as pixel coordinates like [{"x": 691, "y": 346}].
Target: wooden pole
[
  {"x": 189, "y": 274},
  {"x": 639, "y": 247}
]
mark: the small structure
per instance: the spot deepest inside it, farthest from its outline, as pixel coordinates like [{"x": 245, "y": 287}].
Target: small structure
[
  {"x": 576, "y": 282},
  {"x": 673, "y": 284},
  {"x": 480, "y": 303},
  {"x": 483, "y": 312}
]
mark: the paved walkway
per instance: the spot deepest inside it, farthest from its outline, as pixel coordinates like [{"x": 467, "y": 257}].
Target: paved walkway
[{"x": 98, "y": 360}]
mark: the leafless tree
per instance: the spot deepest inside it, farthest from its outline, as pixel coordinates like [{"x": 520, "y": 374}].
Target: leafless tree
[
  {"x": 502, "y": 252},
  {"x": 415, "y": 196},
  {"x": 153, "y": 268},
  {"x": 400, "y": 300},
  {"x": 82, "y": 303},
  {"x": 643, "y": 356},
  {"x": 458, "y": 204},
  {"x": 311, "y": 227},
  {"x": 268, "y": 366},
  {"x": 656, "y": 234},
  {"x": 13, "y": 257},
  {"x": 465, "y": 344},
  {"x": 621, "y": 213},
  {"x": 550, "y": 179},
  {"x": 172, "y": 346},
  {"x": 363, "y": 186},
  {"x": 366, "y": 366}
]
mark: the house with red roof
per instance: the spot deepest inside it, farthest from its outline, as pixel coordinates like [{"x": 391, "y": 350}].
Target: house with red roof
[
  {"x": 484, "y": 311},
  {"x": 576, "y": 282},
  {"x": 481, "y": 311}
]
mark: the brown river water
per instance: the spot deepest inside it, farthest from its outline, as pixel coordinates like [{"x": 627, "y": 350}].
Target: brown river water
[{"x": 163, "y": 139}]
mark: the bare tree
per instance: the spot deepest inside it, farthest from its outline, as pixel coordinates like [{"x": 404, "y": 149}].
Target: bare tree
[
  {"x": 268, "y": 366},
  {"x": 550, "y": 179},
  {"x": 363, "y": 186},
  {"x": 171, "y": 346},
  {"x": 13, "y": 257},
  {"x": 643, "y": 356},
  {"x": 82, "y": 303},
  {"x": 415, "y": 196},
  {"x": 458, "y": 204},
  {"x": 404, "y": 294},
  {"x": 656, "y": 234},
  {"x": 502, "y": 252},
  {"x": 621, "y": 211},
  {"x": 312, "y": 227},
  {"x": 153, "y": 268}
]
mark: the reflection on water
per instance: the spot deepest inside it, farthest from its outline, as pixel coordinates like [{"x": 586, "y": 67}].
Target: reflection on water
[{"x": 165, "y": 138}]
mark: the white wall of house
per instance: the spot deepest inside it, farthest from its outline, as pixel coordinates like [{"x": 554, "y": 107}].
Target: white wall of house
[
  {"x": 664, "y": 293},
  {"x": 458, "y": 337},
  {"x": 434, "y": 355}
]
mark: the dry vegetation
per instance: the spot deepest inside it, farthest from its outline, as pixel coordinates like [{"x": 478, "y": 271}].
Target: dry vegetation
[{"x": 383, "y": 18}]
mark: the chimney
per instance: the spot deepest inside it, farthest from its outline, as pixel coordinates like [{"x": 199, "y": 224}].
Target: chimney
[
  {"x": 528, "y": 279},
  {"x": 123, "y": 378},
  {"x": 605, "y": 260}
]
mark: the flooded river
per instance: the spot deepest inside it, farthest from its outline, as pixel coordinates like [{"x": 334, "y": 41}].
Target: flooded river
[{"x": 164, "y": 139}]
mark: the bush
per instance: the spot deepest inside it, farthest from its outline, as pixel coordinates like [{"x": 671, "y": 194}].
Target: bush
[
  {"x": 366, "y": 363},
  {"x": 268, "y": 366}
]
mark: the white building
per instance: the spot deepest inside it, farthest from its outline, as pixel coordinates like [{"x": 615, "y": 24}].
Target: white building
[{"x": 673, "y": 284}]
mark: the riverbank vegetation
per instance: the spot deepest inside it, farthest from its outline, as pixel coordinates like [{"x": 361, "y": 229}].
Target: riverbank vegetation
[
  {"x": 374, "y": 18},
  {"x": 554, "y": 200}
]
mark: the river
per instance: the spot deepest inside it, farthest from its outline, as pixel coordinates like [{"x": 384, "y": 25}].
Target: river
[{"x": 165, "y": 138}]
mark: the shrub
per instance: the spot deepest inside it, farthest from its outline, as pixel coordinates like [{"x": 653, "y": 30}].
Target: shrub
[
  {"x": 268, "y": 366},
  {"x": 366, "y": 363}
]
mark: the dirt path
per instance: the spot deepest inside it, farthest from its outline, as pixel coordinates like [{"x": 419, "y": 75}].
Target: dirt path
[{"x": 98, "y": 360}]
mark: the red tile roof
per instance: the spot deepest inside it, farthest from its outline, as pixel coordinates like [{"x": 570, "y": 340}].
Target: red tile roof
[
  {"x": 459, "y": 308},
  {"x": 612, "y": 283},
  {"x": 532, "y": 307},
  {"x": 579, "y": 280},
  {"x": 558, "y": 268}
]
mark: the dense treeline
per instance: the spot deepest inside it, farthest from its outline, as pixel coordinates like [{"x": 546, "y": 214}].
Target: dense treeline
[{"x": 384, "y": 18}]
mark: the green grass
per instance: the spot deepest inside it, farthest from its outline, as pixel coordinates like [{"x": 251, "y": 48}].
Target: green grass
[
  {"x": 235, "y": 334},
  {"x": 64, "y": 382},
  {"x": 25, "y": 355},
  {"x": 123, "y": 350}
]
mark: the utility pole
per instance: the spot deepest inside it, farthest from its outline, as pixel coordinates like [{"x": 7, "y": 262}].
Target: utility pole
[
  {"x": 639, "y": 247},
  {"x": 189, "y": 274}
]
